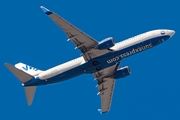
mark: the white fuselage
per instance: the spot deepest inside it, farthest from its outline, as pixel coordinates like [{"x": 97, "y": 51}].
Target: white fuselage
[{"x": 117, "y": 47}]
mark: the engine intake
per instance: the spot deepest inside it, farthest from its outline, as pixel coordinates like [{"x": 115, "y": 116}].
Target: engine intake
[
  {"x": 122, "y": 72},
  {"x": 106, "y": 43}
]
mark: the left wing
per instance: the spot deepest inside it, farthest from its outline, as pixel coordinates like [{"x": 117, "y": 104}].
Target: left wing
[
  {"x": 105, "y": 86},
  {"x": 81, "y": 40}
]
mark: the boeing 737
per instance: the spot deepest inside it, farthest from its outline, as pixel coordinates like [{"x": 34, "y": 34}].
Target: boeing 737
[{"x": 101, "y": 59}]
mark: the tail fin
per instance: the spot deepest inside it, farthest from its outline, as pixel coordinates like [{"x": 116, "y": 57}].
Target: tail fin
[
  {"x": 28, "y": 69},
  {"x": 23, "y": 77}
]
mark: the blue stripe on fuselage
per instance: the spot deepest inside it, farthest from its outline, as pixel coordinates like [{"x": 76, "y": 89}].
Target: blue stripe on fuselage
[
  {"x": 105, "y": 61},
  {"x": 116, "y": 56},
  {"x": 58, "y": 78}
]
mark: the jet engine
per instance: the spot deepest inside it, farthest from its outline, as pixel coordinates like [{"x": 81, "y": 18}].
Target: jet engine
[
  {"x": 122, "y": 72},
  {"x": 106, "y": 43}
]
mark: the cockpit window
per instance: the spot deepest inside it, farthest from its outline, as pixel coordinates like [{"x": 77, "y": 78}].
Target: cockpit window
[{"x": 162, "y": 32}]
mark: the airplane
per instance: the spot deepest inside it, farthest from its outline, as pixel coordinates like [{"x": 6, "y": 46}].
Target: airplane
[{"x": 101, "y": 59}]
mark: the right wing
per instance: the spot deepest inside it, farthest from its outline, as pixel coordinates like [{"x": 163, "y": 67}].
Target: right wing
[
  {"x": 81, "y": 40},
  {"x": 105, "y": 86}
]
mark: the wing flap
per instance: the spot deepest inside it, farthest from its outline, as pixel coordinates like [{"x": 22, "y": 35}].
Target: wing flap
[{"x": 107, "y": 89}]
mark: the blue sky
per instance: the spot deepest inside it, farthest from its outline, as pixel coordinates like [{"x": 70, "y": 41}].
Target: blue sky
[{"x": 151, "y": 92}]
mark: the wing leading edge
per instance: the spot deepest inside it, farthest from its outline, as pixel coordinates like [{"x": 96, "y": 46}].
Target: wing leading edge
[{"x": 81, "y": 40}]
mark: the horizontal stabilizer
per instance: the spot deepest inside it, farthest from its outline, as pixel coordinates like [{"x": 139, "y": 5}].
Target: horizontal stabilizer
[
  {"x": 22, "y": 76},
  {"x": 30, "y": 94}
]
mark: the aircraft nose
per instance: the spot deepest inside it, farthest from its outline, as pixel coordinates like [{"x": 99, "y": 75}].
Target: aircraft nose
[{"x": 171, "y": 32}]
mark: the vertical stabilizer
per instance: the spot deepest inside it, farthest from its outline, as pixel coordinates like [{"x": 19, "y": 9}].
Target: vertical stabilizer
[{"x": 28, "y": 69}]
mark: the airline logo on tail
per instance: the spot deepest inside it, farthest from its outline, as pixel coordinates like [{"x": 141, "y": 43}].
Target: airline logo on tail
[{"x": 28, "y": 69}]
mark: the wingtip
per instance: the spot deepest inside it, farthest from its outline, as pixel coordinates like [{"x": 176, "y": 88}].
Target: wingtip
[
  {"x": 7, "y": 64},
  {"x": 45, "y": 10},
  {"x": 100, "y": 111}
]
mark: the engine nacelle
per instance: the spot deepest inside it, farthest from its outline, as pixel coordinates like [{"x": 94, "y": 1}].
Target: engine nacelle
[
  {"x": 106, "y": 43},
  {"x": 122, "y": 72}
]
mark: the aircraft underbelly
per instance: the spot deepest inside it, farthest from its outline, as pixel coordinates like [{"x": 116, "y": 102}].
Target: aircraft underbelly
[{"x": 80, "y": 67}]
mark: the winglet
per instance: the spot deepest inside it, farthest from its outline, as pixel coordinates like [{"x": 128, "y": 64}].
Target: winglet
[
  {"x": 100, "y": 111},
  {"x": 45, "y": 10}
]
